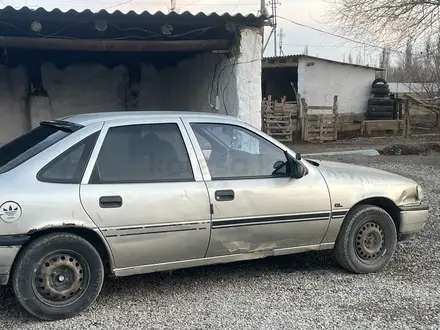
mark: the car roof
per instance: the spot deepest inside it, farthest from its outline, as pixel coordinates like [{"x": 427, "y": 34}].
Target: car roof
[{"x": 92, "y": 118}]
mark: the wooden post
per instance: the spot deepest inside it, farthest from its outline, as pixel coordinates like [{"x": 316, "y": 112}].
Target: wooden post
[
  {"x": 321, "y": 127},
  {"x": 335, "y": 118},
  {"x": 407, "y": 130},
  {"x": 437, "y": 116},
  {"x": 304, "y": 120},
  {"x": 400, "y": 107}
]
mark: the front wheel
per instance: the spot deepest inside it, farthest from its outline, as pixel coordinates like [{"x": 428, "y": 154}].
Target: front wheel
[
  {"x": 367, "y": 240},
  {"x": 58, "y": 276}
]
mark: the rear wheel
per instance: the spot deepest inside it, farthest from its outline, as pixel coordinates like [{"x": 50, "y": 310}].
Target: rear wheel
[
  {"x": 367, "y": 240},
  {"x": 58, "y": 276}
]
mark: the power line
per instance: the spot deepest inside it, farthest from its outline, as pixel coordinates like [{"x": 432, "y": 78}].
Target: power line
[
  {"x": 119, "y": 4},
  {"x": 235, "y": 7},
  {"x": 189, "y": 4},
  {"x": 332, "y": 34}
]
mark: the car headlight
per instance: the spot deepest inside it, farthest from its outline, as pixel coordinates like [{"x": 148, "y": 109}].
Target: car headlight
[{"x": 419, "y": 192}]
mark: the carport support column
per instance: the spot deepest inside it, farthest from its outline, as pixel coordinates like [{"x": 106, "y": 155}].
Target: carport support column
[{"x": 248, "y": 76}]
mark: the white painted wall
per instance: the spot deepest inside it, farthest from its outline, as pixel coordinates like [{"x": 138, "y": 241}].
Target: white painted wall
[
  {"x": 195, "y": 84},
  {"x": 192, "y": 85},
  {"x": 84, "y": 88},
  {"x": 248, "y": 75},
  {"x": 13, "y": 92},
  {"x": 319, "y": 83}
]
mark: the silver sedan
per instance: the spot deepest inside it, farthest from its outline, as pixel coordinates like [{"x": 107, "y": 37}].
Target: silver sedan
[{"x": 126, "y": 193}]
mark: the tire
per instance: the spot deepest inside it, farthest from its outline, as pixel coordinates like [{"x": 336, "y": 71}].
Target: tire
[
  {"x": 381, "y": 86},
  {"x": 380, "y": 91},
  {"x": 378, "y": 80},
  {"x": 51, "y": 260},
  {"x": 381, "y": 108},
  {"x": 381, "y": 101},
  {"x": 379, "y": 115},
  {"x": 367, "y": 240}
]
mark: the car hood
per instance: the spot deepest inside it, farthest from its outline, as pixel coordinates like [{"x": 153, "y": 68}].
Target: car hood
[
  {"x": 349, "y": 184},
  {"x": 348, "y": 173}
]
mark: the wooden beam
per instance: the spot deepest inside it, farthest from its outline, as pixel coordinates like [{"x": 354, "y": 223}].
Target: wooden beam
[
  {"x": 115, "y": 45},
  {"x": 279, "y": 65}
]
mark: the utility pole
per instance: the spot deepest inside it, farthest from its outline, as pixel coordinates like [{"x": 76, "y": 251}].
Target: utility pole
[
  {"x": 281, "y": 35},
  {"x": 173, "y": 6},
  {"x": 274, "y": 4}
]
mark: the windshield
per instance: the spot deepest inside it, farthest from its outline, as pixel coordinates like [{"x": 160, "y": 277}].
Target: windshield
[{"x": 32, "y": 143}]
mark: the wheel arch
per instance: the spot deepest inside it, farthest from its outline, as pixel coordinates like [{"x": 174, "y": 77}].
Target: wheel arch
[
  {"x": 384, "y": 203},
  {"x": 91, "y": 236}
]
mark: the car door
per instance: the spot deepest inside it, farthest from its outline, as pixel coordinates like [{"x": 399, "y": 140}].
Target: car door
[
  {"x": 254, "y": 209},
  {"x": 143, "y": 188}
]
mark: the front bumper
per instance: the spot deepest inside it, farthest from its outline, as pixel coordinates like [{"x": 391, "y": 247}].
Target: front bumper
[
  {"x": 412, "y": 220},
  {"x": 9, "y": 247},
  {"x": 7, "y": 257}
]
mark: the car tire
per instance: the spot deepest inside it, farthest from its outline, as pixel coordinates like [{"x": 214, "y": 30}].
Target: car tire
[
  {"x": 379, "y": 115},
  {"x": 57, "y": 276},
  {"x": 367, "y": 240},
  {"x": 380, "y": 91},
  {"x": 377, "y": 81},
  {"x": 381, "y": 102},
  {"x": 381, "y": 108}
]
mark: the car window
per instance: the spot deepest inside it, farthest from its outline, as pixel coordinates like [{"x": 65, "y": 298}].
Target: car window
[
  {"x": 30, "y": 144},
  {"x": 237, "y": 152},
  {"x": 143, "y": 153},
  {"x": 69, "y": 167}
]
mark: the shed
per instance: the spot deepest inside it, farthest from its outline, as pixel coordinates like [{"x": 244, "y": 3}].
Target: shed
[
  {"x": 318, "y": 80},
  {"x": 55, "y": 64}
]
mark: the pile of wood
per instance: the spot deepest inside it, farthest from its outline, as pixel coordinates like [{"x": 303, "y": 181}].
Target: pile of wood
[{"x": 280, "y": 119}]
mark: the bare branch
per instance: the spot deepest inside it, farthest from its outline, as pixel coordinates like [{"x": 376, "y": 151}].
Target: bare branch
[{"x": 385, "y": 22}]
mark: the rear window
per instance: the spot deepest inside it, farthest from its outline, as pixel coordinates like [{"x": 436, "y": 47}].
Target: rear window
[{"x": 33, "y": 142}]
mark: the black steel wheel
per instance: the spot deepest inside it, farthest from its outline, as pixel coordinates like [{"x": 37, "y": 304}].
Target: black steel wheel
[
  {"x": 367, "y": 240},
  {"x": 57, "y": 276},
  {"x": 61, "y": 278}
]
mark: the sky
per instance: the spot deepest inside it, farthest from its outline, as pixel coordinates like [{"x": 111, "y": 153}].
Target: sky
[{"x": 296, "y": 38}]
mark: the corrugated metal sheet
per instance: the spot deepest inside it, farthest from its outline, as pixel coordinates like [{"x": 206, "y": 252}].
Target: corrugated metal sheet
[
  {"x": 296, "y": 57},
  {"x": 251, "y": 19}
]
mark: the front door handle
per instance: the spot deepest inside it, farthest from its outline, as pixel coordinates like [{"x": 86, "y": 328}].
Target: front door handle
[
  {"x": 106, "y": 202},
  {"x": 224, "y": 195}
]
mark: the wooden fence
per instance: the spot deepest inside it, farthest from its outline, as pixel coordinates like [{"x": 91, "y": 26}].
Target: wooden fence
[
  {"x": 322, "y": 124},
  {"x": 280, "y": 119}
]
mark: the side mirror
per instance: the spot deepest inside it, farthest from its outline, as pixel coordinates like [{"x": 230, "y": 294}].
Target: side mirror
[
  {"x": 294, "y": 168},
  {"x": 278, "y": 164},
  {"x": 298, "y": 156}
]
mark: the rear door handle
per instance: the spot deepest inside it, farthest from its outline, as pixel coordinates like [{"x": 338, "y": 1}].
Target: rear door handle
[
  {"x": 106, "y": 202},
  {"x": 224, "y": 195}
]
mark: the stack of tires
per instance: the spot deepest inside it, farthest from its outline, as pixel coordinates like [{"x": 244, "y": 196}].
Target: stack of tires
[{"x": 380, "y": 106}]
